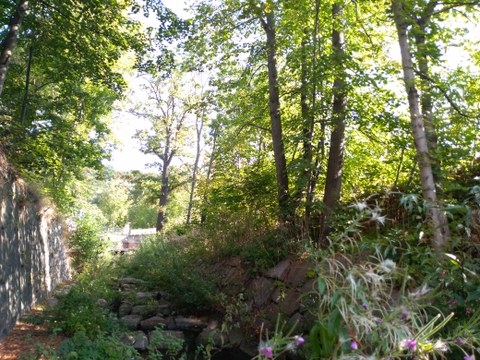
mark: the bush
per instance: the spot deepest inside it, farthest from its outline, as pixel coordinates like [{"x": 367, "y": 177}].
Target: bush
[
  {"x": 78, "y": 311},
  {"x": 176, "y": 268},
  {"x": 86, "y": 242},
  {"x": 103, "y": 347}
]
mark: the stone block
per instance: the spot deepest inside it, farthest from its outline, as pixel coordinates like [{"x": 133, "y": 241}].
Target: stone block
[
  {"x": 189, "y": 324},
  {"x": 141, "y": 341},
  {"x": 261, "y": 289},
  {"x": 291, "y": 302},
  {"x": 297, "y": 273},
  {"x": 280, "y": 270},
  {"x": 145, "y": 311},
  {"x": 124, "y": 309},
  {"x": 152, "y": 323},
  {"x": 131, "y": 321}
]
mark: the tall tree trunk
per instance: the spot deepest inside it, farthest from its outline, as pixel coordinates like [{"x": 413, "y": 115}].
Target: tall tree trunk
[
  {"x": 426, "y": 101},
  {"x": 286, "y": 212},
  {"x": 199, "y": 129},
  {"x": 27, "y": 85},
  {"x": 308, "y": 148},
  {"x": 439, "y": 242},
  {"x": 162, "y": 209},
  {"x": 333, "y": 182},
  {"x": 203, "y": 216},
  {"x": 11, "y": 40}
]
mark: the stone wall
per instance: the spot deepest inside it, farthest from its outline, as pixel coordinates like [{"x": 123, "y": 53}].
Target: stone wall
[{"x": 33, "y": 259}]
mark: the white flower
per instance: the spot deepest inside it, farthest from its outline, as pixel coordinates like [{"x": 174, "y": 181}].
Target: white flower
[
  {"x": 360, "y": 206},
  {"x": 440, "y": 346},
  {"x": 378, "y": 218},
  {"x": 387, "y": 266}
]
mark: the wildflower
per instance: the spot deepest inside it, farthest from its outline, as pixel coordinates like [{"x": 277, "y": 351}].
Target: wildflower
[
  {"x": 468, "y": 357},
  {"x": 419, "y": 293},
  {"x": 267, "y": 351},
  {"x": 387, "y": 266},
  {"x": 460, "y": 341},
  {"x": 410, "y": 344},
  {"x": 299, "y": 341},
  {"x": 364, "y": 306},
  {"x": 440, "y": 346},
  {"x": 443, "y": 271},
  {"x": 378, "y": 218},
  {"x": 468, "y": 311},
  {"x": 360, "y": 206},
  {"x": 354, "y": 345},
  {"x": 378, "y": 320},
  {"x": 405, "y": 314}
]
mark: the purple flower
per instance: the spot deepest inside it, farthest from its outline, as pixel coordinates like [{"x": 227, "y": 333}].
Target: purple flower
[
  {"x": 299, "y": 341},
  {"x": 364, "y": 306},
  {"x": 467, "y": 357},
  {"x": 460, "y": 341},
  {"x": 354, "y": 345},
  {"x": 378, "y": 320},
  {"x": 267, "y": 352},
  {"x": 405, "y": 314},
  {"x": 410, "y": 344}
]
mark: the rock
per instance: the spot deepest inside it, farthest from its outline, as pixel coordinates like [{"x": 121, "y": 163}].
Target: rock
[
  {"x": 276, "y": 295},
  {"x": 235, "y": 337},
  {"x": 131, "y": 321},
  {"x": 189, "y": 324},
  {"x": 235, "y": 261},
  {"x": 141, "y": 341},
  {"x": 291, "y": 303},
  {"x": 127, "y": 339},
  {"x": 102, "y": 303},
  {"x": 210, "y": 337},
  {"x": 125, "y": 309},
  {"x": 152, "y": 323},
  {"x": 280, "y": 270},
  {"x": 145, "y": 311},
  {"x": 297, "y": 273},
  {"x": 146, "y": 295},
  {"x": 261, "y": 288},
  {"x": 130, "y": 281}
]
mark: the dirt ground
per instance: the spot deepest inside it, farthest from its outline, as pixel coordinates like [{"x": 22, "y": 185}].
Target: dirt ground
[{"x": 26, "y": 340}]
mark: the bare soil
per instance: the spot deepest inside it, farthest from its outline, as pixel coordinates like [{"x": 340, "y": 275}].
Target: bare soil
[{"x": 26, "y": 341}]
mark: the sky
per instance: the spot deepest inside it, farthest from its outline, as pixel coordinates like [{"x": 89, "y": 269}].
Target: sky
[{"x": 127, "y": 155}]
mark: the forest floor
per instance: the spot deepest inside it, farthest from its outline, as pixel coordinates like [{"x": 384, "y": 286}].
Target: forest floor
[{"x": 28, "y": 340}]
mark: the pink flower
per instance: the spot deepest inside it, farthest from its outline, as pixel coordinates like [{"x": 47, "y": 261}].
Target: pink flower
[
  {"x": 410, "y": 344},
  {"x": 267, "y": 352},
  {"x": 354, "y": 345},
  {"x": 468, "y": 310},
  {"x": 299, "y": 341},
  {"x": 469, "y": 357}
]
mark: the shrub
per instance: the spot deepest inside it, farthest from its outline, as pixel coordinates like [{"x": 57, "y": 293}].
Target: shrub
[
  {"x": 86, "y": 241},
  {"x": 103, "y": 347}
]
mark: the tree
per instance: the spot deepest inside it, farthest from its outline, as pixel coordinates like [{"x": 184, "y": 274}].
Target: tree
[
  {"x": 333, "y": 182},
  {"x": 167, "y": 112},
  {"x": 10, "y": 40},
  {"x": 426, "y": 174}
]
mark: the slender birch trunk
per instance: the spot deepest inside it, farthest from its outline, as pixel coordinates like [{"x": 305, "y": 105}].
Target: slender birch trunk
[{"x": 439, "y": 242}]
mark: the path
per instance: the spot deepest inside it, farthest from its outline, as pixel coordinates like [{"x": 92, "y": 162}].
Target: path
[{"x": 21, "y": 342}]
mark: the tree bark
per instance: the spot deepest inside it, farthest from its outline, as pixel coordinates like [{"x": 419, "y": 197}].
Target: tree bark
[
  {"x": 439, "y": 242},
  {"x": 276, "y": 121},
  {"x": 11, "y": 40},
  {"x": 27, "y": 85},
  {"x": 199, "y": 129},
  {"x": 333, "y": 182}
]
